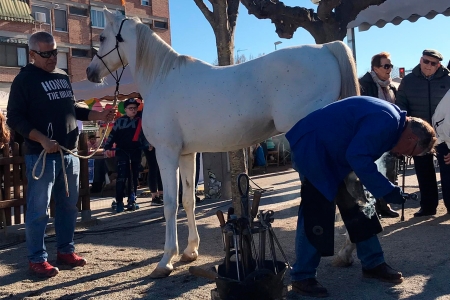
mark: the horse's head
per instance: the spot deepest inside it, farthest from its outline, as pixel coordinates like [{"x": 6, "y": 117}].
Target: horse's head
[{"x": 111, "y": 54}]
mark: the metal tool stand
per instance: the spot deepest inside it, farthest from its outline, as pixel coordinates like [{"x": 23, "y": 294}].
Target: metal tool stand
[{"x": 250, "y": 269}]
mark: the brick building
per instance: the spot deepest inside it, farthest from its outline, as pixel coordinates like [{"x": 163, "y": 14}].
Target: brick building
[{"x": 75, "y": 25}]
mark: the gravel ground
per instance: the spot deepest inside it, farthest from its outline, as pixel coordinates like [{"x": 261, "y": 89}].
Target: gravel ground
[{"x": 123, "y": 250}]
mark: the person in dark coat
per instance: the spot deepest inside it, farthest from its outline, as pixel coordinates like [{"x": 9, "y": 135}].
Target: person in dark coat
[
  {"x": 419, "y": 94},
  {"x": 377, "y": 83},
  {"x": 329, "y": 145}
]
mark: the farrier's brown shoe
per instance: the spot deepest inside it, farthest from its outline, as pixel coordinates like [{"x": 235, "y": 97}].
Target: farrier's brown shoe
[
  {"x": 384, "y": 273},
  {"x": 309, "y": 287}
]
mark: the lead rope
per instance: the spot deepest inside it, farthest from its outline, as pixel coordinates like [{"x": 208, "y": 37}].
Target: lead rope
[{"x": 43, "y": 154}]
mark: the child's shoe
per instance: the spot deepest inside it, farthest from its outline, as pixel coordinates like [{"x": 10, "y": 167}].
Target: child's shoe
[{"x": 119, "y": 207}]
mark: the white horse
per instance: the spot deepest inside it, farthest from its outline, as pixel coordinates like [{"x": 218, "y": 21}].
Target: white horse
[{"x": 192, "y": 106}]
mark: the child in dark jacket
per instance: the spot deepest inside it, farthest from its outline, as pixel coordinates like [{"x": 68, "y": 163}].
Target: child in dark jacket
[{"x": 129, "y": 139}]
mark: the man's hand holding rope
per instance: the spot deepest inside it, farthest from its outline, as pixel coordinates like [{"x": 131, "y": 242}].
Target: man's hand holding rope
[{"x": 52, "y": 146}]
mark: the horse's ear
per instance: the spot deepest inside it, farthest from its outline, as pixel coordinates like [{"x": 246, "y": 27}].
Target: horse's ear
[{"x": 108, "y": 15}]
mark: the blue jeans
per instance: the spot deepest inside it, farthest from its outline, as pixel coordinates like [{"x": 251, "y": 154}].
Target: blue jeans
[
  {"x": 38, "y": 200},
  {"x": 308, "y": 258}
]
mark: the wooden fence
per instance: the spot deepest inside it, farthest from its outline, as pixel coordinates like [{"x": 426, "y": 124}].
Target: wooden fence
[{"x": 13, "y": 182}]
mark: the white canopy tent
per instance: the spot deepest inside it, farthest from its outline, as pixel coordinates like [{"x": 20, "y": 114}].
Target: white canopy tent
[{"x": 395, "y": 12}]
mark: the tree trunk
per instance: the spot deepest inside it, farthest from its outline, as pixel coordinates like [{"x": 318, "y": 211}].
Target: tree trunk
[{"x": 223, "y": 21}]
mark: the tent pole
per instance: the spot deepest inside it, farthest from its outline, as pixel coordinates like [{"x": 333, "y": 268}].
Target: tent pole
[{"x": 351, "y": 41}]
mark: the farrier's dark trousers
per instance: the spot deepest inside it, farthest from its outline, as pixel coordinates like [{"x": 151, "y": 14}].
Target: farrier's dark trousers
[{"x": 426, "y": 176}]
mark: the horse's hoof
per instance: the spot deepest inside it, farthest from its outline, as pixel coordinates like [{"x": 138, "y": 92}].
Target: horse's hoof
[
  {"x": 341, "y": 263},
  {"x": 187, "y": 258},
  {"x": 160, "y": 273}
]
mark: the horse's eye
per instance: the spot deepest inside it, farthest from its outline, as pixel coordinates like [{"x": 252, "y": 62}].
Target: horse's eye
[{"x": 102, "y": 38}]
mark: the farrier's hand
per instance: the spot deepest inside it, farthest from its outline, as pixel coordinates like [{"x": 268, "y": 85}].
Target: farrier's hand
[
  {"x": 395, "y": 196},
  {"x": 447, "y": 159},
  {"x": 51, "y": 146}
]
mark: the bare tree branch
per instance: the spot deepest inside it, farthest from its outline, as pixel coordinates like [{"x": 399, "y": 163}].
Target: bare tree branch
[
  {"x": 328, "y": 24},
  {"x": 205, "y": 10},
  {"x": 233, "y": 6}
]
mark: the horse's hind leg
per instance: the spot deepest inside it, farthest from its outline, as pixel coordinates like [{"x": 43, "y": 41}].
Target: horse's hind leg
[
  {"x": 168, "y": 166},
  {"x": 344, "y": 257},
  {"x": 187, "y": 171}
]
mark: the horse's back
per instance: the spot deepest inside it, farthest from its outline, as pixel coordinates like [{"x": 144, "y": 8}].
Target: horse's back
[{"x": 238, "y": 105}]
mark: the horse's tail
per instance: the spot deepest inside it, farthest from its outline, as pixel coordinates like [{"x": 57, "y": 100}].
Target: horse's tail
[{"x": 347, "y": 66}]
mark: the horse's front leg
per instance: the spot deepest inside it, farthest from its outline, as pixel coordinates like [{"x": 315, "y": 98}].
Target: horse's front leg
[
  {"x": 168, "y": 166},
  {"x": 187, "y": 172}
]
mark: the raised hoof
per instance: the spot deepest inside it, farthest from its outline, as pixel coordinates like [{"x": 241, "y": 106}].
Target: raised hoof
[
  {"x": 187, "y": 259},
  {"x": 341, "y": 263},
  {"x": 160, "y": 273}
]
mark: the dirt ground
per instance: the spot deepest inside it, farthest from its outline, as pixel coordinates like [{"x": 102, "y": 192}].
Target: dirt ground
[{"x": 122, "y": 250}]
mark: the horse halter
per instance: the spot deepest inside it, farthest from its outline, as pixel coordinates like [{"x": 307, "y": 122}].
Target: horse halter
[{"x": 117, "y": 78}]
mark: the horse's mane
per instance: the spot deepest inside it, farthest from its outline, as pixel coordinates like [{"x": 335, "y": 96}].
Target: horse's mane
[{"x": 154, "y": 56}]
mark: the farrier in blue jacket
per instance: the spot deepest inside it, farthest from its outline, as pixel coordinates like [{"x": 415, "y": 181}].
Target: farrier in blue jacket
[{"x": 348, "y": 135}]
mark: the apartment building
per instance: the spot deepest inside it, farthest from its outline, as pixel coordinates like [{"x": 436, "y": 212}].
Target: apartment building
[{"x": 76, "y": 26}]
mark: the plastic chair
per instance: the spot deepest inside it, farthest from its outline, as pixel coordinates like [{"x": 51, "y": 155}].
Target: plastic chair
[{"x": 273, "y": 155}]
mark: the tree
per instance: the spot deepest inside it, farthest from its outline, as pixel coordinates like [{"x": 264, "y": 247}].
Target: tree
[
  {"x": 222, "y": 19},
  {"x": 328, "y": 24}
]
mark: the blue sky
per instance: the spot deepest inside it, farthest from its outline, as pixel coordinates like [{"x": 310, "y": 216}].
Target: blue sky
[{"x": 193, "y": 35}]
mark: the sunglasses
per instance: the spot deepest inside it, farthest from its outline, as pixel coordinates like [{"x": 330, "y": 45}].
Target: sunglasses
[
  {"x": 132, "y": 108},
  {"x": 387, "y": 66},
  {"x": 46, "y": 54},
  {"x": 432, "y": 63}
]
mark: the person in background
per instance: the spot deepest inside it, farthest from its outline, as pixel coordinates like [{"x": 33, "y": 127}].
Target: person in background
[
  {"x": 154, "y": 177},
  {"x": 377, "y": 83},
  {"x": 441, "y": 123},
  {"x": 129, "y": 139},
  {"x": 419, "y": 94},
  {"x": 5, "y": 134},
  {"x": 42, "y": 109},
  {"x": 366, "y": 128},
  {"x": 92, "y": 143}
]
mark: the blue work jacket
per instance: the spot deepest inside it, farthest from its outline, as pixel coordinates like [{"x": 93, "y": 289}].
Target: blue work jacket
[{"x": 347, "y": 135}]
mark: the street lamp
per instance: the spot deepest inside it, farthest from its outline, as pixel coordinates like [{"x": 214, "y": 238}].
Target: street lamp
[
  {"x": 238, "y": 58},
  {"x": 277, "y": 43},
  {"x": 240, "y": 50}
]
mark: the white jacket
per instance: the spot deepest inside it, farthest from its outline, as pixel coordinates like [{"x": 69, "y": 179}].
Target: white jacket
[{"x": 441, "y": 120}]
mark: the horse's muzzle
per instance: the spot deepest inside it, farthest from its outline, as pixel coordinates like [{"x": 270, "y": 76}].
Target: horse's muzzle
[{"x": 92, "y": 75}]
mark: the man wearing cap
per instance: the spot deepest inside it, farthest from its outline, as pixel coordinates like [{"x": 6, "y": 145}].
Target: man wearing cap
[{"x": 419, "y": 94}]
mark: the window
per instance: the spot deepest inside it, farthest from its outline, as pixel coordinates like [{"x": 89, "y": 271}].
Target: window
[
  {"x": 160, "y": 25},
  {"x": 78, "y": 11},
  {"x": 60, "y": 20},
  {"x": 145, "y": 2},
  {"x": 62, "y": 61},
  {"x": 46, "y": 11},
  {"x": 97, "y": 18},
  {"x": 80, "y": 52},
  {"x": 13, "y": 55}
]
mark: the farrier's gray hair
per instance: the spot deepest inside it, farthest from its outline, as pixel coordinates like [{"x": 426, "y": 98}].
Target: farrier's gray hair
[
  {"x": 425, "y": 133},
  {"x": 40, "y": 37}
]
